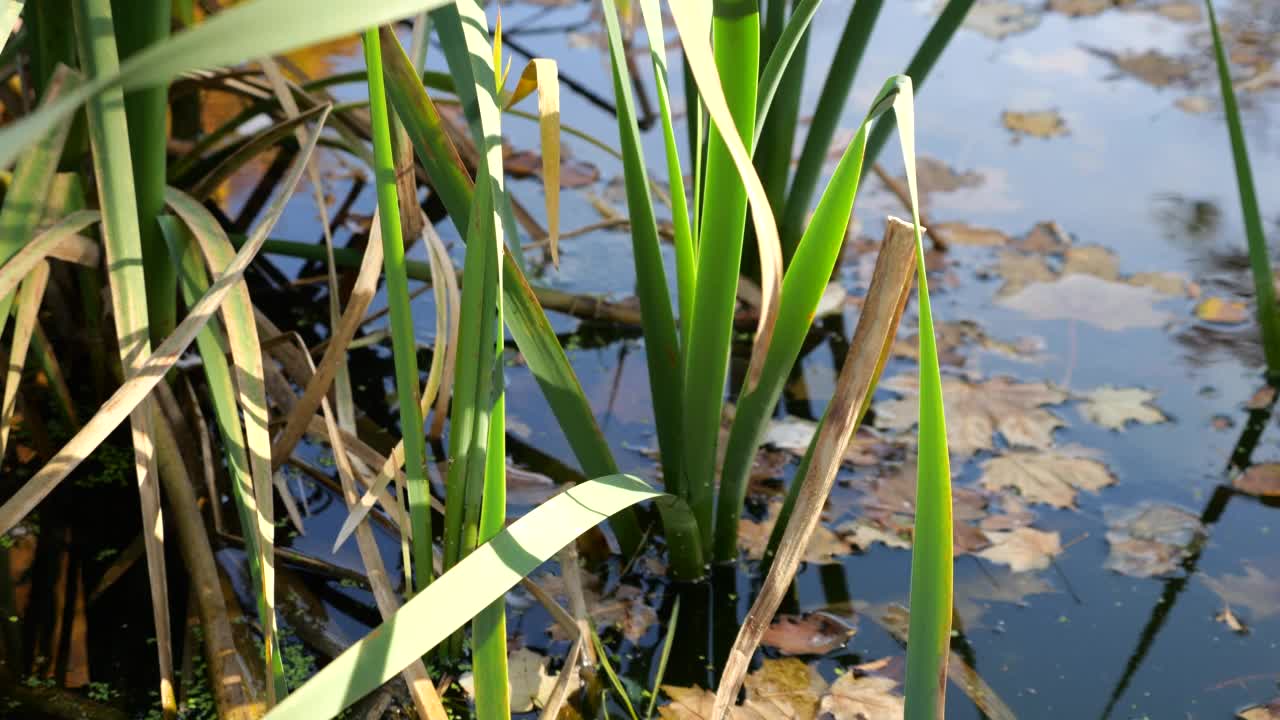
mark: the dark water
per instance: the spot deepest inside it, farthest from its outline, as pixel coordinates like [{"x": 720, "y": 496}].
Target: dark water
[{"x": 1136, "y": 174}]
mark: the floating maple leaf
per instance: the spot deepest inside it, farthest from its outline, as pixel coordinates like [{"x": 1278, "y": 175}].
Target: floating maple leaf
[
  {"x": 824, "y": 547},
  {"x": 1262, "y": 480},
  {"x": 624, "y": 607},
  {"x": 816, "y": 633},
  {"x": 531, "y": 685},
  {"x": 784, "y": 689},
  {"x": 1114, "y": 408},
  {"x": 1023, "y": 549},
  {"x": 1270, "y": 711},
  {"x": 855, "y": 697},
  {"x": 977, "y": 411},
  {"x": 1151, "y": 539},
  {"x": 1049, "y": 477}
]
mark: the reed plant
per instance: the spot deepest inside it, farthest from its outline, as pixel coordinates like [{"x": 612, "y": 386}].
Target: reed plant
[
  {"x": 154, "y": 239},
  {"x": 1259, "y": 255}
]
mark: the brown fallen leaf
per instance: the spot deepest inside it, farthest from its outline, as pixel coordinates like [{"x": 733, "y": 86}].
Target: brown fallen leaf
[
  {"x": 1079, "y": 8},
  {"x": 1150, "y": 540},
  {"x": 1255, "y": 590},
  {"x": 1049, "y": 477},
  {"x": 1113, "y": 407},
  {"x": 785, "y": 689},
  {"x": 1108, "y": 305},
  {"x": 1023, "y": 549},
  {"x": 1092, "y": 260},
  {"x": 1151, "y": 67},
  {"x": 1194, "y": 104},
  {"x": 527, "y": 678},
  {"x": 1262, "y": 398},
  {"x": 1020, "y": 270},
  {"x": 1042, "y": 124},
  {"x": 1261, "y": 480},
  {"x": 1222, "y": 311},
  {"x": 1185, "y": 11},
  {"x": 1228, "y": 618},
  {"x": 1270, "y": 711},
  {"x": 854, "y": 696},
  {"x": 977, "y": 411},
  {"x": 625, "y": 607},
  {"x": 888, "y": 514},
  {"x": 934, "y": 175},
  {"x": 1165, "y": 283},
  {"x": 823, "y": 548},
  {"x": 959, "y": 233},
  {"x": 998, "y": 19},
  {"x": 816, "y": 633},
  {"x": 793, "y": 435},
  {"x": 1046, "y": 238}
]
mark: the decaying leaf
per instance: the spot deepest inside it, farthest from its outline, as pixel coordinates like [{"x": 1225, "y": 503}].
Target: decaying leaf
[
  {"x": 1092, "y": 260},
  {"x": 933, "y": 175},
  {"x": 786, "y": 688},
  {"x": 888, "y": 514},
  {"x": 1165, "y": 283},
  {"x": 1079, "y": 8},
  {"x": 1262, "y": 398},
  {"x": 824, "y": 547},
  {"x": 1261, "y": 480},
  {"x": 1228, "y": 618},
  {"x": 527, "y": 677},
  {"x": 1113, "y": 407},
  {"x": 977, "y": 411},
  {"x": 1043, "y": 124},
  {"x": 1108, "y": 305},
  {"x": 998, "y": 19},
  {"x": 1151, "y": 67},
  {"x": 1186, "y": 11},
  {"x": 854, "y": 696},
  {"x": 1222, "y": 311},
  {"x": 1023, "y": 549},
  {"x": 793, "y": 435},
  {"x": 1046, "y": 238},
  {"x": 1255, "y": 590},
  {"x": 783, "y": 689},
  {"x": 1020, "y": 270},
  {"x": 815, "y": 633},
  {"x": 624, "y": 607},
  {"x": 1046, "y": 476},
  {"x": 1270, "y": 711},
  {"x": 1151, "y": 539},
  {"x": 959, "y": 233},
  {"x": 954, "y": 338},
  {"x": 1194, "y": 104}
]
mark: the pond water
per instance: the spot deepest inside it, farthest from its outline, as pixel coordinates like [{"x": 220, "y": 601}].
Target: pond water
[{"x": 1133, "y": 187}]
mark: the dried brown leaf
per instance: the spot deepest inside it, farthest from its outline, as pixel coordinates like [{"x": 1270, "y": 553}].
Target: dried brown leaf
[
  {"x": 816, "y": 633},
  {"x": 1113, "y": 407},
  {"x": 977, "y": 411},
  {"x": 1023, "y": 549},
  {"x": 1262, "y": 480},
  {"x": 1049, "y": 477},
  {"x": 1151, "y": 539}
]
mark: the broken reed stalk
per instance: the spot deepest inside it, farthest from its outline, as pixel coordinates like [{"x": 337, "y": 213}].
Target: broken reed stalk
[
  {"x": 233, "y": 692},
  {"x": 886, "y": 298},
  {"x": 904, "y": 196}
]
